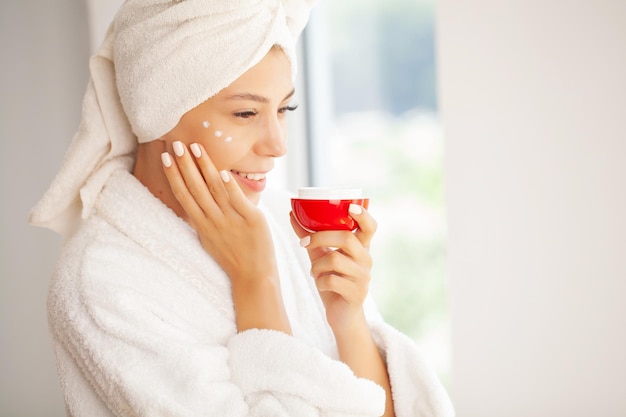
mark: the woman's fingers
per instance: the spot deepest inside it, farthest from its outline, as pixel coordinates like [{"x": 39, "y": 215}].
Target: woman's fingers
[
  {"x": 213, "y": 182},
  {"x": 209, "y": 193},
  {"x": 215, "y": 192},
  {"x": 344, "y": 270},
  {"x": 367, "y": 224},
  {"x": 305, "y": 239},
  {"x": 344, "y": 241},
  {"x": 338, "y": 263},
  {"x": 179, "y": 187},
  {"x": 221, "y": 184},
  {"x": 300, "y": 232},
  {"x": 347, "y": 289}
]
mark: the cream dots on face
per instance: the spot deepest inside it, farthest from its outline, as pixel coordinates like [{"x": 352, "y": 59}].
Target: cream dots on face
[
  {"x": 250, "y": 117},
  {"x": 217, "y": 133}
]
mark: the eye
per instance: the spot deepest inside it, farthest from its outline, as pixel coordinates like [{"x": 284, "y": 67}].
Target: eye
[
  {"x": 245, "y": 114},
  {"x": 287, "y": 108}
]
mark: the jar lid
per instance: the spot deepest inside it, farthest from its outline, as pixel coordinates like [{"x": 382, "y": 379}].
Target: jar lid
[{"x": 326, "y": 193}]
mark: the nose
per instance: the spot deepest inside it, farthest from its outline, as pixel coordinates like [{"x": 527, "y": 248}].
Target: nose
[{"x": 273, "y": 139}]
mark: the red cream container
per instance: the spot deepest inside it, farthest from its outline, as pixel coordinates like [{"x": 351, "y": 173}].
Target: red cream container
[{"x": 320, "y": 208}]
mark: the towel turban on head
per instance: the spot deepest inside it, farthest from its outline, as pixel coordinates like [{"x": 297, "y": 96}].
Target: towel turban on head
[{"x": 159, "y": 59}]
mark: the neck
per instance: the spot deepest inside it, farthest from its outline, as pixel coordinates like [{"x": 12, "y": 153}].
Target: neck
[{"x": 149, "y": 171}]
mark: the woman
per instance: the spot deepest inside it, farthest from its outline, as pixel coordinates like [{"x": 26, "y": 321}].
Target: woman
[{"x": 180, "y": 292}]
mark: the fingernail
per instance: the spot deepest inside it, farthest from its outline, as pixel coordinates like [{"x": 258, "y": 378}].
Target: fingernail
[
  {"x": 225, "y": 176},
  {"x": 304, "y": 242},
  {"x": 165, "y": 158},
  {"x": 355, "y": 209},
  {"x": 195, "y": 150},
  {"x": 179, "y": 150}
]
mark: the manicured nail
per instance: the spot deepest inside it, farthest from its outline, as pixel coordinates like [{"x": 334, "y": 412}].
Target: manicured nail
[
  {"x": 304, "y": 242},
  {"x": 165, "y": 158},
  {"x": 179, "y": 150},
  {"x": 225, "y": 176},
  {"x": 195, "y": 150},
  {"x": 355, "y": 209}
]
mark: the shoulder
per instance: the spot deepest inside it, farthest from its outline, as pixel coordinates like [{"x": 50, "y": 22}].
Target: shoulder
[
  {"x": 95, "y": 256},
  {"x": 96, "y": 241},
  {"x": 108, "y": 279},
  {"x": 100, "y": 267}
]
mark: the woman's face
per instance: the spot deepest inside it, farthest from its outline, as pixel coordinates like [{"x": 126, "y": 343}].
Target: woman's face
[{"x": 243, "y": 128}]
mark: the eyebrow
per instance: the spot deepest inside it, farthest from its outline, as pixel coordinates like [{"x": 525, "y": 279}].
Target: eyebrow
[{"x": 256, "y": 97}]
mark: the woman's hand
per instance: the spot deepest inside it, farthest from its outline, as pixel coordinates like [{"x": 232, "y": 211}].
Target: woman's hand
[
  {"x": 233, "y": 231},
  {"x": 341, "y": 266}
]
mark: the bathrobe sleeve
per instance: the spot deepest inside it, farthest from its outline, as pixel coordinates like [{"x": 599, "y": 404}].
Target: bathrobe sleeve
[
  {"x": 148, "y": 344},
  {"x": 416, "y": 389}
]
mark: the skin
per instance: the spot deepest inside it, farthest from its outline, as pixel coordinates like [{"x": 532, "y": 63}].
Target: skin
[{"x": 199, "y": 176}]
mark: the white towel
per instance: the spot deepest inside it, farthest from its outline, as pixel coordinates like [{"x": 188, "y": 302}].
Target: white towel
[{"x": 159, "y": 59}]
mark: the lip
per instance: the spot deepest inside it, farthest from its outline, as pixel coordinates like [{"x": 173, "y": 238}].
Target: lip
[{"x": 254, "y": 185}]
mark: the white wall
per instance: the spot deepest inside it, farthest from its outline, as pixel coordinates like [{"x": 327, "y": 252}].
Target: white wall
[
  {"x": 533, "y": 99},
  {"x": 100, "y": 13},
  {"x": 44, "y": 48}
]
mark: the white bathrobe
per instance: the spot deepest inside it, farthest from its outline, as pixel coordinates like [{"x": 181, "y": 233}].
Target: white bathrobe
[{"x": 142, "y": 323}]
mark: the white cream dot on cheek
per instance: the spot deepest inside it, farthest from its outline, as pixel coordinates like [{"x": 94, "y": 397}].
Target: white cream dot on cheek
[
  {"x": 206, "y": 124},
  {"x": 228, "y": 139},
  {"x": 218, "y": 133}
]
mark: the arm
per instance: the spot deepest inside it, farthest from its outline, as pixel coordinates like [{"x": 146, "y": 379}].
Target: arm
[
  {"x": 342, "y": 277},
  {"x": 358, "y": 350}
]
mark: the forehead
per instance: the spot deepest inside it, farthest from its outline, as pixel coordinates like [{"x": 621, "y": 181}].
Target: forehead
[{"x": 267, "y": 81}]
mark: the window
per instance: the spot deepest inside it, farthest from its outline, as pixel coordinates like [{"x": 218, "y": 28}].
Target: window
[{"x": 373, "y": 121}]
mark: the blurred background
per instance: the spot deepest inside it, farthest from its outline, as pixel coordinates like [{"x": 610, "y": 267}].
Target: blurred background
[
  {"x": 489, "y": 137},
  {"x": 378, "y": 128}
]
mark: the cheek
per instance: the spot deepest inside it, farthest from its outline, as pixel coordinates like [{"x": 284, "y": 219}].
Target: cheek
[
  {"x": 224, "y": 153},
  {"x": 224, "y": 142}
]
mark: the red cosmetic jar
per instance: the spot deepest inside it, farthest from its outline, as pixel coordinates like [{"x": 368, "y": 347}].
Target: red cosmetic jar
[{"x": 320, "y": 208}]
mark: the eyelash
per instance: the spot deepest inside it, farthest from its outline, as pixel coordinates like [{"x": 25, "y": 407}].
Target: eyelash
[
  {"x": 287, "y": 108},
  {"x": 248, "y": 114},
  {"x": 245, "y": 114}
]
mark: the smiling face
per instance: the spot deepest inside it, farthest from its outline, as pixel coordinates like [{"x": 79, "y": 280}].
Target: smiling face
[{"x": 243, "y": 128}]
